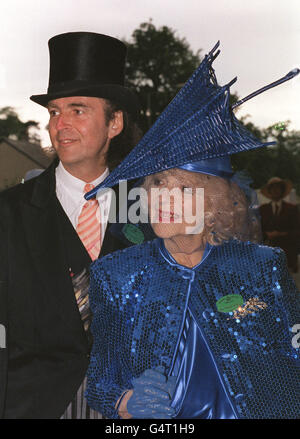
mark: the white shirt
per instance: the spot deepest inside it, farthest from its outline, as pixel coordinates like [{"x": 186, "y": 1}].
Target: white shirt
[
  {"x": 279, "y": 204},
  {"x": 70, "y": 193}
]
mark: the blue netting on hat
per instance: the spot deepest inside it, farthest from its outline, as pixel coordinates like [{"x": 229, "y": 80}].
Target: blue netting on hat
[{"x": 197, "y": 124}]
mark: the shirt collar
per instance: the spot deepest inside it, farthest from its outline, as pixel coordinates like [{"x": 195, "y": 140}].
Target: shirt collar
[
  {"x": 277, "y": 203},
  {"x": 73, "y": 185}
]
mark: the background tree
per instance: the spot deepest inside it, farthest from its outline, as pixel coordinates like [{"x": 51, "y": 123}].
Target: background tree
[
  {"x": 281, "y": 160},
  {"x": 158, "y": 64},
  {"x": 12, "y": 126}
]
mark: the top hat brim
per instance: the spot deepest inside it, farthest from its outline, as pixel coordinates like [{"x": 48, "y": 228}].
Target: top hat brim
[
  {"x": 114, "y": 92},
  {"x": 288, "y": 187}
]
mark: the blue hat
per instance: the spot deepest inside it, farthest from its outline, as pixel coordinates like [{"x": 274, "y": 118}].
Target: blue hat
[{"x": 197, "y": 125}]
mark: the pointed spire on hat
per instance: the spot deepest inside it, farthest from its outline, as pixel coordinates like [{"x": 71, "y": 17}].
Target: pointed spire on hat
[{"x": 198, "y": 124}]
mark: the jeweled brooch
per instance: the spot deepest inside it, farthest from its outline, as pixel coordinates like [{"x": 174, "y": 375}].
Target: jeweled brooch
[{"x": 252, "y": 305}]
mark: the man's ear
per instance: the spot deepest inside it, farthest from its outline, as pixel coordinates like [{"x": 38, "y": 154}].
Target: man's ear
[{"x": 116, "y": 124}]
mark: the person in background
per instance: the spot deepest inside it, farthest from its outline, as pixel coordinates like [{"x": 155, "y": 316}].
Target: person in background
[{"x": 280, "y": 220}]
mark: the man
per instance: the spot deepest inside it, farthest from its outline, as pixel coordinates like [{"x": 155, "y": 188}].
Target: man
[
  {"x": 280, "y": 220},
  {"x": 50, "y": 234}
]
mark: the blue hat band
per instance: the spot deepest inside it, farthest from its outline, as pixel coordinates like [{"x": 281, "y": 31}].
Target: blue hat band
[{"x": 218, "y": 167}]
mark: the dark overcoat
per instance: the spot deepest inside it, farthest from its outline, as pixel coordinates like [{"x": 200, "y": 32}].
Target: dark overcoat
[{"x": 47, "y": 350}]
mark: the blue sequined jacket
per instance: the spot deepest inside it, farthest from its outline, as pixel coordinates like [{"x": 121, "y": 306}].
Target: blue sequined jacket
[{"x": 139, "y": 299}]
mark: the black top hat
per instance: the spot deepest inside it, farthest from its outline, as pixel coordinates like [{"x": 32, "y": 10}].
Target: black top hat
[{"x": 88, "y": 64}]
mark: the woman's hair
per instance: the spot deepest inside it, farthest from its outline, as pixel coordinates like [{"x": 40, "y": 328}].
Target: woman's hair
[{"x": 228, "y": 214}]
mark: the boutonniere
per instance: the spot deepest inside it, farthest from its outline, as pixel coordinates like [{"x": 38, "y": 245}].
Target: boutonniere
[{"x": 234, "y": 303}]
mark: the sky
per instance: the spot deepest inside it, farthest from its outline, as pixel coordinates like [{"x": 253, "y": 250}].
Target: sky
[{"x": 260, "y": 42}]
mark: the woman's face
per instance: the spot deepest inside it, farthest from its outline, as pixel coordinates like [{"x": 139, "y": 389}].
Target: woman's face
[{"x": 177, "y": 200}]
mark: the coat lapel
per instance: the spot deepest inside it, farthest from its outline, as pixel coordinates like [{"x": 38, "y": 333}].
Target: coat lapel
[
  {"x": 110, "y": 242},
  {"x": 42, "y": 229}
]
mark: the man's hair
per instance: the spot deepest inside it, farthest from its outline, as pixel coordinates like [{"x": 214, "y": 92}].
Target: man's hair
[{"x": 121, "y": 145}]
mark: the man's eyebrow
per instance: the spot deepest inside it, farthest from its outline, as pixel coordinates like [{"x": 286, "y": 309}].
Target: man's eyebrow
[
  {"x": 50, "y": 105},
  {"x": 73, "y": 104},
  {"x": 78, "y": 104}
]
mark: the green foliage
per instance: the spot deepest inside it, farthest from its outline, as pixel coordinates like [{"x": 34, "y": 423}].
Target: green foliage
[
  {"x": 12, "y": 126},
  {"x": 281, "y": 160},
  {"x": 158, "y": 64}
]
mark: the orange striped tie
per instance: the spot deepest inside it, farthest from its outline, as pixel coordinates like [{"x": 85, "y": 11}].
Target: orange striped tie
[{"x": 89, "y": 226}]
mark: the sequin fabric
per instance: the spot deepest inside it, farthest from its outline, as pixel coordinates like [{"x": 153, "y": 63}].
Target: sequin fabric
[{"x": 139, "y": 299}]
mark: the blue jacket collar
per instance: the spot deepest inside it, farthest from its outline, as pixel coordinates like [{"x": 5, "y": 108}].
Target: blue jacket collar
[{"x": 169, "y": 258}]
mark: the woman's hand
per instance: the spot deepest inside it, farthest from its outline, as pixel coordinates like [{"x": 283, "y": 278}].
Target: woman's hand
[
  {"x": 122, "y": 410},
  {"x": 151, "y": 396}
]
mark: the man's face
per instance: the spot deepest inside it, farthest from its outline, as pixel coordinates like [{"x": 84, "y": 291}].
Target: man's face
[
  {"x": 276, "y": 191},
  {"x": 78, "y": 129}
]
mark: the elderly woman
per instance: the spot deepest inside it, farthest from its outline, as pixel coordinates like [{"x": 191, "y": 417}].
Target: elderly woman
[{"x": 196, "y": 323}]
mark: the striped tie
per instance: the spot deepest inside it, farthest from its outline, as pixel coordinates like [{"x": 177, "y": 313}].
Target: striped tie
[{"x": 89, "y": 226}]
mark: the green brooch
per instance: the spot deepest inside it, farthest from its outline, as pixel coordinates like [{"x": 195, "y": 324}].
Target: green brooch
[
  {"x": 133, "y": 234},
  {"x": 229, "y": 303}
]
